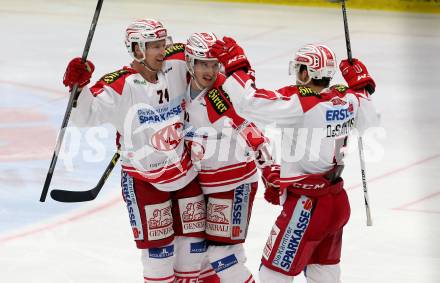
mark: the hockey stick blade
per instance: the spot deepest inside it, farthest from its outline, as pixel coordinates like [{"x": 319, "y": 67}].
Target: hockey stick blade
[
  {"x": 74, "y": 196},
  {"x": 82, "y": 196}
]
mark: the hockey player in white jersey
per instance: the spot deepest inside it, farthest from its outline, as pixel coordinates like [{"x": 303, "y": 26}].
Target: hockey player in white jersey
[
  {"x": 228, "y": 150},
  {"x": 316, "y": 120},
  {"x": 145, "y": 103}
]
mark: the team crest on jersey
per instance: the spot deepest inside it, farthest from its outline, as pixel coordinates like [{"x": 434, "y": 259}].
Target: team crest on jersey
[
  {"x": 167, "y": 138},
  {"x": 218, "y": 217},
  {"x": 173, "y": 49},
  {"x": 193, "y": 214},
  {"x": 217, "y": 101},
  {"x": 340, "y": 88},
  {"x": 111, "y": 77},
  {"x": 307, "y": 91},
  {"x": 160, "y": 220}
]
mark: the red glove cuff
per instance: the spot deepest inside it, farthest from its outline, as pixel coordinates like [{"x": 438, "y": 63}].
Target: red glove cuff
[
  {"x": 231, "y": 55},
  {"x": 356, "y": 75},
  {"x": 78, "y": 72}
]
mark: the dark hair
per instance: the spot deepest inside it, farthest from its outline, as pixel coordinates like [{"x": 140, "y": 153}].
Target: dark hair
[{"x": 324, "y": 82}]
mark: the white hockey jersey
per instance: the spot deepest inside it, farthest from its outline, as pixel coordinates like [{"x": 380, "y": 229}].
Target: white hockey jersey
[
  {"x": 225, "y": 161},
  {"x": 315, "y": 126},
  {"x": 149, "y": 119}
]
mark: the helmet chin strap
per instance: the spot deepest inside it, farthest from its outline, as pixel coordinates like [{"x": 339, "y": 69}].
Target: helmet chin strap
[
  {"x": 190, "y": 65},
  {"x": 142, "y": 62},
  {"x": 148, "y": 67},
  {"x": 199, "y": 87}
]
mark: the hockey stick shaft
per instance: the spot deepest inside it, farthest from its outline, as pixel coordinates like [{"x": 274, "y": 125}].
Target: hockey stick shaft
[
  {"x": 364, "y": 181},
  {"x": 81, "y": 196},
  {"x": 72, "y": 103},
  {"x": 360, "y": 143},
  {"x": 347, "y": 33}
]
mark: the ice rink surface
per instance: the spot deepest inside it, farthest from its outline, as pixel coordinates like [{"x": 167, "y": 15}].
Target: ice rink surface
[{"x": 92, "y": 242}]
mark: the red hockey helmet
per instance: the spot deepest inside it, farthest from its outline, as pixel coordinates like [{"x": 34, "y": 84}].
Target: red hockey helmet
[
  {"x": 197, "y": 47},
  {"x": 319, "y": 60},
  {"x": 141, "y": 32}
]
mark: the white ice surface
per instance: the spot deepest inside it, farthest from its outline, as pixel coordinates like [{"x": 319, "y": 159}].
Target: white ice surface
[{"x": 54, "y": 242}]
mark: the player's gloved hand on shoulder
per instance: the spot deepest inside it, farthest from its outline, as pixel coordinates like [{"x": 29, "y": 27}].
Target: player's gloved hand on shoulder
[
  {"x": 271, "y": 180},
  {"x": 356, "y": 75},
  {"x": 230, "y": 54},
  {"x": 78, "y": 72}
]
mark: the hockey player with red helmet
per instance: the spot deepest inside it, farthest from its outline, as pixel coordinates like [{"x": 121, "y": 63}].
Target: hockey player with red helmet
[
  {"x": 317, "y": 119},
  {"x": 145, "y": 103},
  {"x": 227, "y": 150}
]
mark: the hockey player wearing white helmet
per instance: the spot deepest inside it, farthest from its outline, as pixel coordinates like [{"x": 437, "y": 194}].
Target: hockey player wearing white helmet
[
  {"x": 228, "y": 150},
  {"x": 307, "y": 235},
  {"x": 145, "y": 103}
]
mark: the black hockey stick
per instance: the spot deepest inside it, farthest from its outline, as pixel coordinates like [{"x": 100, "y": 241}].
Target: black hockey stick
[
  {"x": 72, "y": 103},
  {"x": 360, "y": 143},
  {"x": 347, "y": 33},
  {"x": 80, "y": 196}
]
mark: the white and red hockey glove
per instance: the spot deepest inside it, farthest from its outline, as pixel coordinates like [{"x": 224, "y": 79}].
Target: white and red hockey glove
[
  {"x": 356, "y": 75},
  {"x": 231, "y": 55},
  {"x": 271, "y": 180},
  {"x": 78, "y": 72}
]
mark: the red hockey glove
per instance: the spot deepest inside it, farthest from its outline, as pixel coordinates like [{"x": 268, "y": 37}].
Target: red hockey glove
[
  {"x": 271, "y": 180},
  {"x": 230, "y": 54},
  {"x": 356, "y": 75},
  {"x": 78, "y": 72}
]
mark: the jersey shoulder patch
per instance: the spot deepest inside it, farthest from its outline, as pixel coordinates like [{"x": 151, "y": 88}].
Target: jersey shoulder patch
[
  {"x": 175, "y": 52},
  {"x": 306, "y": 96},
  {"x": 217, "y": 103},
  {"x": 115, "y": 80},
  {"x": 305, "y": 91},
  {"x": 114, "y": 76},
  {"x": 339, "y": 88}
]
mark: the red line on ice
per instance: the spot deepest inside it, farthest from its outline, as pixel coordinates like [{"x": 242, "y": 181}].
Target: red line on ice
[
  {"x": 35, "y": 87},
  {"x": 62, "y": 221},
  {"x": 418, "y": 210},
  {"x": 395, "y": 171},
  {"x": 419, "y": 200},
  {"x": 406, "y": 207}
]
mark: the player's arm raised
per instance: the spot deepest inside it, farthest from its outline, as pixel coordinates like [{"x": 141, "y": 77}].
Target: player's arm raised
[
  {"x": 363, "y": 86},
  {"x": 98, "y": 104},
  {"x": 259, "y": 105}
]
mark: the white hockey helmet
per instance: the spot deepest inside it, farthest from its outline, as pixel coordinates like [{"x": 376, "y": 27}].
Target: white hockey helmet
[
  {"x": 141, "y": 32},
  {"x": 198, "y": 47},
  {"x": 319, "y": 60}
]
